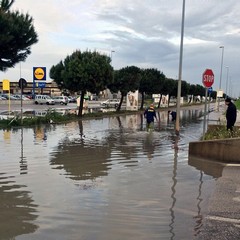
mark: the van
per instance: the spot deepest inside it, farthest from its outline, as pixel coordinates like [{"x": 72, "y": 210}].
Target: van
[
  {"x": 60, "y": 99},
  {"x": 43, "y": 99}
]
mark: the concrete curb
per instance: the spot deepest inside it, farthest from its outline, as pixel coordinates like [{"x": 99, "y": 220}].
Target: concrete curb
[{"x": 225, "y": 151}]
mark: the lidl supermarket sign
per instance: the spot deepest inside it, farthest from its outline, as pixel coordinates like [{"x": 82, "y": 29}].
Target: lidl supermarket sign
[{"x": 39, "y": 73}]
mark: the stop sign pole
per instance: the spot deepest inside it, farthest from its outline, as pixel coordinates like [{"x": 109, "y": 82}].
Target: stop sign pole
[{"x": 207, "y": 80}]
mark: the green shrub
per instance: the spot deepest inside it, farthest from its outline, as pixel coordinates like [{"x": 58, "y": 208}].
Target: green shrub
[{"x": 220, "y": 132}]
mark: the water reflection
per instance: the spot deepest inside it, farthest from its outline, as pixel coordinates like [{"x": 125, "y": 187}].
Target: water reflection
[
  {"x": 102, "y": 178},
  {"x": 23, "y": 159},
  {"x": 173, "y": 187},
  {"x": 17, "y": 209},
  {"x": 77, "y": 159},
  {"x": 40, "y": 133},
  {"x": 199, "y": 216},
  {"x": 211, "y": 168},
  {"x": 149, "y": 145}
]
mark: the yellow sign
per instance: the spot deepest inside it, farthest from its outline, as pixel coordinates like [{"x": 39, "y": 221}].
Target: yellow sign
[
  {"x": 39, "y": 73},
  {"x": 6, "y": 85}
]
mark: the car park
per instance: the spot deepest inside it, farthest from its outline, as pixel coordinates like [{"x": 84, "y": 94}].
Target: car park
[
  {"x": 110, "y": 103},
  {"x": 19, "y": 96},
  {"x": 63, "y": 100},
  {"x": 8, "y": 96},
  {"x": 43, "y": 99}
]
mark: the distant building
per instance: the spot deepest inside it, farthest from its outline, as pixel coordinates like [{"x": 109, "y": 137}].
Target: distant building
[{"x": 50, "y": 88}]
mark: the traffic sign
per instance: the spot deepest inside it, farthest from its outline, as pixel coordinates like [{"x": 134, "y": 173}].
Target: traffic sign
[
  {"x": 41, "y": 84},
  {"x": 208, "y": 78},
  {"x": 6, "y": 85},
  {"x": 22, "y": 83},
  {"x": 210, "y": 90}
]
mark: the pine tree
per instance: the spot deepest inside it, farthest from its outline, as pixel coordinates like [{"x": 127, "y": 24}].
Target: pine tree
[{"x": 16, "y": 36}]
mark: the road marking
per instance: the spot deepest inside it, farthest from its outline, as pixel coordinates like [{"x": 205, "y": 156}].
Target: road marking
[{"x": 222, "y": 219}]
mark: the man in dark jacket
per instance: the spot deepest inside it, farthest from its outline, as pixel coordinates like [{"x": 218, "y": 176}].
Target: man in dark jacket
[
  {"x": 150, "y": 114},
  {"x": 231, "y": 114}
]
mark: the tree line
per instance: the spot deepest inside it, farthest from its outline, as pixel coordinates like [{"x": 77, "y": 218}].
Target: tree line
[{"x": 92, "y": 72}]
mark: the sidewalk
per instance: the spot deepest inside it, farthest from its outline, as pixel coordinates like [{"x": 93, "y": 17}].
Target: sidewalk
[
  {"x": 220, "y": 115},
  {"x": 223, "y": 219}
]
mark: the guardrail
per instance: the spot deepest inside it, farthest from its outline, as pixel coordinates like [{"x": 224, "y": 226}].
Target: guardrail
[{"x": 5, "y": 102}]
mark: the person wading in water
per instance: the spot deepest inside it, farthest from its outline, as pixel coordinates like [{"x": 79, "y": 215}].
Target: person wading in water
[{"x": 150, "y": 114}]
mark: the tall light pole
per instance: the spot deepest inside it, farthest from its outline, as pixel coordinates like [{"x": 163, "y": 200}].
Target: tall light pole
[
  {"x": 180, "y": 71},
  {"x": 111, "y": 54},
  {"x": 220, "y": 83},
  {"x": 231, "y": 87},
  {"x": 227, "y": 67}
]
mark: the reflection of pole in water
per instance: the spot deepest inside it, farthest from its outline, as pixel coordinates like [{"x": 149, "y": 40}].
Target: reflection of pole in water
[
  {"x": 141, "y": 121},
  {"x": 158, "y": 120},
  {"x": 173, "y": 188},
  {"x": 119, "y": 123},
  {"x": 23, "y": 162},
  {"x": 81, "y": 129},
  {"x": 199, "y": 200}
]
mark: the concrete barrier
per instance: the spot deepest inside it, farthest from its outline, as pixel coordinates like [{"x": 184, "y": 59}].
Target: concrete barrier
[{"x": 225, "y": 151}]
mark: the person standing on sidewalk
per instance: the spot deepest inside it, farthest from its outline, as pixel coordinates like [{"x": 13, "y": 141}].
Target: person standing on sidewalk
[
  {"x": 150, "y": 114},
  {"x": 231, "y": 114}
]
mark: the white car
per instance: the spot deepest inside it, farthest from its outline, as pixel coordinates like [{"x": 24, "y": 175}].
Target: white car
[
  {"x": 111, "y": 103},
  {"x": 61, "y": 99},
  {"x": 44, "y": 99}
]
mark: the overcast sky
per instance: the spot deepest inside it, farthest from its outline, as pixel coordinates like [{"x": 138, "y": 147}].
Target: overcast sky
[{"x": 142, "y": 33}]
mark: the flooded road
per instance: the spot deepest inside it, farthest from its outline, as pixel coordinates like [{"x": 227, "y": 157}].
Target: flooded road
[{"x": 104, "y": 179}]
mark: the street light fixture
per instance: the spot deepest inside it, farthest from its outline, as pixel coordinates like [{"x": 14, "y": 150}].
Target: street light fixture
[{"x": 220, "y": 83}]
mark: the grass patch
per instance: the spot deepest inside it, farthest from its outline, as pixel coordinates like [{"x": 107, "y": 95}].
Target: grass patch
[
  {"x": 220, "y": 132},
  {"x": 237, "y": 103},
  {"x": 51, "y": 117},
  {"x": 54, "y": 117}
]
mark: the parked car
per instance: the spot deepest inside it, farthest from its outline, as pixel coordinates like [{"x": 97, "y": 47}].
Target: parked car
[
  {"x": 60, "y": 99},
  {"x": 8, "y": 96},
  {"x": 18, "y": 96},
  {"x": 2, "y": 98},
  {"x": 44, "y": 99},
  {"x": 72, "y": 99},
  {"x": 111, "y": 103}
]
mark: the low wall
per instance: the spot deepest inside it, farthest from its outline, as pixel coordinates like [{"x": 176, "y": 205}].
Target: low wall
[{"x": 226, "y": 150}]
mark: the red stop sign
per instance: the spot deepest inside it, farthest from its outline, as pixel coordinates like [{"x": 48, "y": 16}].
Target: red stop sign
[{"x": 208, "y": 78}]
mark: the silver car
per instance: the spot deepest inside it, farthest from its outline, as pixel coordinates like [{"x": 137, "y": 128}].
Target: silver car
[
  {"x": 111, "y": 103},
  {"x": 63, "y": 100}
]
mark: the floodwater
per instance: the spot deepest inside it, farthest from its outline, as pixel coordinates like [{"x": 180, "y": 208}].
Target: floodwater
[{"x": 104, "y": 179}]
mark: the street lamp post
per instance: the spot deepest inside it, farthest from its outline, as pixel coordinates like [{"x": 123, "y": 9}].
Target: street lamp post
[
  {"x": 230, "y": 87},
  {"x": 112, "y": 53},
  {"x": 177, "y": 126},
  {"x": 220, "y": 83},
  {"x": 227, "y": 67}
]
